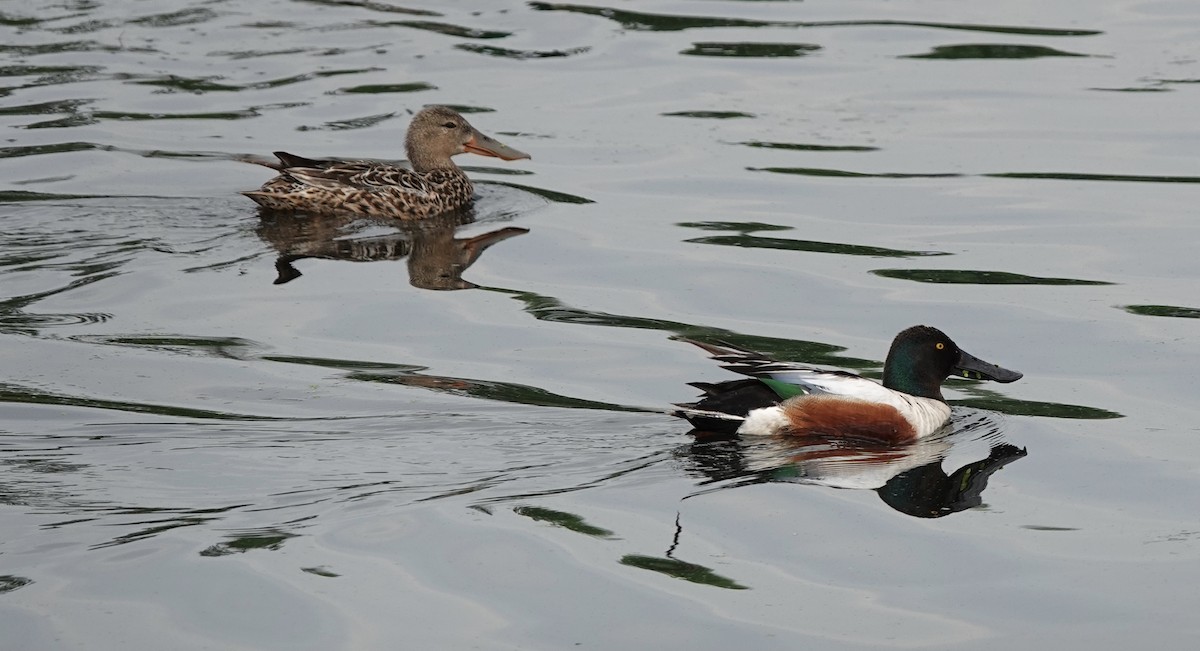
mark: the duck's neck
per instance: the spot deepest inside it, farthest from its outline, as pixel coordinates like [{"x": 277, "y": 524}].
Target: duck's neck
[
  {"x": 423, "y": 161},
  {"x": 904, "y": 377}
]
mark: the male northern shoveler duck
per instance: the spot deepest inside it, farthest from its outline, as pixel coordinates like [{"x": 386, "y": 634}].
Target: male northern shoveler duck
[
  {"x": 433, "y": 186},
  {"x": 789, "y": 398}
]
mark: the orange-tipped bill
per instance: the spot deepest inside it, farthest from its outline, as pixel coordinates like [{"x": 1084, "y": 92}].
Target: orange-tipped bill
[{"x": 488, "y": 146}]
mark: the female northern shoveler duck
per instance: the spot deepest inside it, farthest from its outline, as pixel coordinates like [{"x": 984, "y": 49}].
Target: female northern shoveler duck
[
  {"x": 788, "y": 398},
  {"x": 434, "y": 185}
]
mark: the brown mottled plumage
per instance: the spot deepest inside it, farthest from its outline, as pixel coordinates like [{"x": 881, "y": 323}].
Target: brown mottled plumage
[{"x": 433, "y": 186}]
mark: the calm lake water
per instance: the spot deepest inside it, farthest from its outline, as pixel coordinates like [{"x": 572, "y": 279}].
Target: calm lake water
[{"x": 226, "y": 431}]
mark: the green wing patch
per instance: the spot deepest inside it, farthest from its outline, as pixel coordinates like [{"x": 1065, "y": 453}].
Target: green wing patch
[{"x": 784, "y": 390}]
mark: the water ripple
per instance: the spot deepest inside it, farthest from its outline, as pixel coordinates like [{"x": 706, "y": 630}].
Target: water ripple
[
  {"x": 1164, "y": 310},
  {"x": 751, "y": 50},
  {"x": 662, "y": 22},
  {"x": 450, "y": 30},
  {"x": 804, "y": 146},
  {"x": 373, "y": 6},
  {"x": 992, "y": 51},
  {"x": 506, "y": 53},
  {"x": 176, "y": 18},
  {"x": 977, "y": 277}
]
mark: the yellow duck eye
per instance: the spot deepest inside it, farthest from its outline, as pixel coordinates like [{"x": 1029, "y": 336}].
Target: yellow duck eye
[{"x": 940, "y": 345}]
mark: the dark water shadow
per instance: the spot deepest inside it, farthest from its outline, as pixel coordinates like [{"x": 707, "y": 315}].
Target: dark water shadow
[
  {"x": 10, "y": 582},
  {"x": 976, "y": 277},
  {"x": 634, "y": 20},
  {"x": 992, "y": 51},
  {"x": 269, "y": 539},
  {"x": 822, "y": 172},
  {"x": 1163, "y": 310},
  {"x": 984, "y": 398},
  {"x": 520, "y": 55},
  {"x": 709, "y": 115},
  {"x": 436, "y": 258},
  {"x": 744, "y": 240},
  {"x": 371, "y": 5},
  {"x": 677, "y": 569},
  {"x": 751, "y": 50},
  {"x": 550, "y": 195},
  {"x": 569, "y": 521},
  {"x": 14, "y": 393},
  {"x": 1070, "y": 176},
  {"x": 666, "y": 565},
  {"x": 790, "y": 146},
  {"x": 510, "y": 392},
  {"x": 377, "y": 89},
  {"x": 1053, "y": 176},
  {"x": 153, "y": 520},
  {"x": 909, "y": 478},
  {"x": 547, "y": 308},
  {"x": 448, "y": 29}
]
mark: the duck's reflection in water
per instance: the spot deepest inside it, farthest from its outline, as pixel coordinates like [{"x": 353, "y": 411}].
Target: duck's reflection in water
[
  {"x": 436, "y": 258},
  {"x": 911, "y": 478}
]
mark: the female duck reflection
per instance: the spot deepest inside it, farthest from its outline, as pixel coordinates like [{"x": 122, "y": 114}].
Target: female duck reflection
[{"x": 436, "y": 258}]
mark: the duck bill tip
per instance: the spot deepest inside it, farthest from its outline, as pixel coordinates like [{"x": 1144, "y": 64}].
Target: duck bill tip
[
  {"x": 485, "y": 146},
  {"x": 973, "y": 368}
]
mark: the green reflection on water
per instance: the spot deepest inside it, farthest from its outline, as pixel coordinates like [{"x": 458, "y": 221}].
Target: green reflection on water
[
  {"x": 1014, "y": 407},
  {"x": 759, "y": 242},
  {"x": 268, "y": 539},
  {"x": 681, "y": 570},
  {"x": 992, "y": 51},
  {"x": 805, "y": 147},
  {"x": 374, "y": 6},
  {"x": 547, "y": 308},
  {"x": 16, "y": 196},
  {"x": 320, "y": 570},
  {"x": 657, "y": 22},
  {"x": 750, "y": 50},
  {"x": 652, "y": 22},
  {"x": 1164, "y": 310},
  {"x": 510, "y": 392},
  {"x": 177, "y": 18},
  {"x": 984, "y": 398},
  {"x": 353, "y": 123},
  {"x": 389, "y": 88},
  {"x": 817, "y": 171},
  {"x": 223, "y": 347},
  {"x": 745, "y": 240},
  {"x": 44, "y": 108},
  {"x": 222, "y": 115},
  {"x": 709, "y": 115},
  {"x": 741, "y": 227},
  {"x": 1070, "y": 176},
  {"x": 9, "y": 582},
  {"x": 197, "y": 85},
  {"x": 18, "y": 394},
  {"x": 562, "y": 519},
  {"x": 974, "y": 277},
  {"x": 552, "y": 195},
  {"x": 506, "y": 53},
  {"x": 451, "y": 30}
]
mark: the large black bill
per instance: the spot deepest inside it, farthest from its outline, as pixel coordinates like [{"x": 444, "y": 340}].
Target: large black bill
[{"x": 973, "y": 368}]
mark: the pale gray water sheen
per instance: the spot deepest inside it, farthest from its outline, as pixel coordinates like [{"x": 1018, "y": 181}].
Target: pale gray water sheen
[{"x": 221, "y": 430}]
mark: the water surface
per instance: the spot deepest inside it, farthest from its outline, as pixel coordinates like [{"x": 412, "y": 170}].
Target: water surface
[{"x": 225, "y": 430}]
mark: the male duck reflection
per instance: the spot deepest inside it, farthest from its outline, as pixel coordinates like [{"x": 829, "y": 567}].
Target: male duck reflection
[
  {"x": 788, "y": 398},
  {"x": 434, "y": 185}
]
